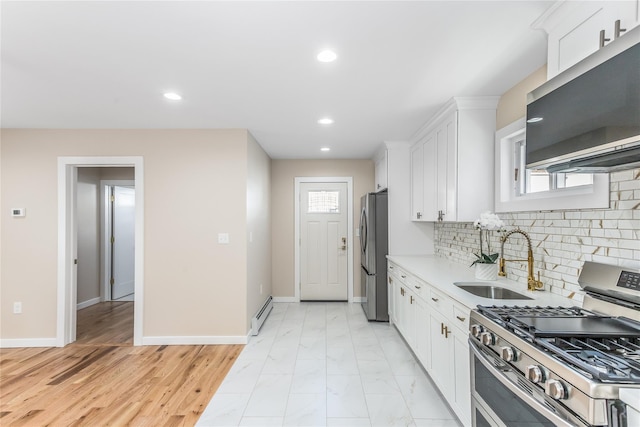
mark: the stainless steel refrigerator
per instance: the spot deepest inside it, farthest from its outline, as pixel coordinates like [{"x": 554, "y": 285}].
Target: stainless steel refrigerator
[{"x": 373, "y": 255}]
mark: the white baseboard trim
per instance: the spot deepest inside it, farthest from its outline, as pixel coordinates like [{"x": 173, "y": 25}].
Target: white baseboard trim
[
  {"x": 28, "y": 342},
  {"x": 88, "y": 303},
  {"x": 357, "y": 300},
  {"x": 195, "y": 340},
  {"x": 286, "y": 299}
]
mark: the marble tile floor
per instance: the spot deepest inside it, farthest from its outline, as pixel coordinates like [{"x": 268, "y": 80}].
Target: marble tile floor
[{"x": 324, "y": 364}]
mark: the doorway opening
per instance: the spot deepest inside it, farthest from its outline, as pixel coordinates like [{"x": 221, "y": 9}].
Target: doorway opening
[
  {"x": 106, "y": 231},
  {"x": 70, "y": 251},
  {"x": 324, "y": 239}
]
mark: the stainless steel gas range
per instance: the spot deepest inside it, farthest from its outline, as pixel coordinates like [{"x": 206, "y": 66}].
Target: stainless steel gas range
[{"x": 559, "y": 366}]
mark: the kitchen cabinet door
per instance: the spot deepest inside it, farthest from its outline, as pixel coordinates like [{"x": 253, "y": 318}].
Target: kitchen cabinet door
[
  {"x": 417, "y": 183},
  {"x": 391, "y": 289},
  {"x": 574, "y": 30},
  {"x": 430, "y": 178},
  {"x": 447, "y": 173},
  {"x": 423, "y": 333},
  {"x": 381, "y": 172},
  {"x": 441, "y": 354},
  {"x": 461, "y": 399}
]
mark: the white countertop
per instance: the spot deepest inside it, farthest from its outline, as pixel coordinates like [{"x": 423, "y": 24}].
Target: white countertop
[{"x": 442, "y": 273}]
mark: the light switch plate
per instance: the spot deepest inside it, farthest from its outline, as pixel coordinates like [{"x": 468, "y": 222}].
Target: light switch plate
[{"x": 223, "y": 238}]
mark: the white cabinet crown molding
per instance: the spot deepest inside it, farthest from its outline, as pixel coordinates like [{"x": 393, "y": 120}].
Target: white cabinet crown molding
[{"x": 454, "y": 104}]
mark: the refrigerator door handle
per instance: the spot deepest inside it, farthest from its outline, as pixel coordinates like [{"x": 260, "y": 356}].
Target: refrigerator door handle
[{"x": 363, "y": 231}]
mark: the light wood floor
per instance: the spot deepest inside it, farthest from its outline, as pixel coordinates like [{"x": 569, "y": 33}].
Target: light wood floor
[{"x": 102, "y": 380}]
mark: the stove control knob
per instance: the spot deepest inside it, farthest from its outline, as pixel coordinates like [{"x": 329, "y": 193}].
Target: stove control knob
[
  {"x": 487, "y": 338},
  {"x": 556, "y": 389},
  {"x": 476, "y": 330},
  {"x": 535, "y": 374},
  {"x": 508, "y": 354}
]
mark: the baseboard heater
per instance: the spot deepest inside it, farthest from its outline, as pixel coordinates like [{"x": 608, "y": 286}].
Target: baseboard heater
[{"x": 261, "y": 315}]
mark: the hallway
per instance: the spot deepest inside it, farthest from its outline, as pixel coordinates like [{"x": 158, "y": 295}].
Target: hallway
[
  {"x": 324, "y": 364},
  {"x": 106, "y": 323}
]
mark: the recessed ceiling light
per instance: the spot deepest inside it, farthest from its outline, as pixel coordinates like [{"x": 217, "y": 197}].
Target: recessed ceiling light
[
  {"x": 534, "y": 120},
  {"x": 325, "y": 149},
  {"x": 325, "y": 121},
  {"x": 327, "y": 56},
  {"x": 172, "y": 96}
]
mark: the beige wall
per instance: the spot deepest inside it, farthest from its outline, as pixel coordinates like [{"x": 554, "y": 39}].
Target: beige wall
[
  {"x": 513, "y": 103},
  {"x": 283, "y": 173},
  {"x": 258, "y": 228},
  {"x": 195, "y": 186}
]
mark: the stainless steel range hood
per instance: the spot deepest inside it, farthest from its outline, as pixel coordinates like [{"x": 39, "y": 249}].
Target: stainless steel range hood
[{"x": 587, "y": 119}]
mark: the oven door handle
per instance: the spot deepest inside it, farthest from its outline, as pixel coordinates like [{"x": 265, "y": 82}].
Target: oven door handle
[{"x": 533, "y": 403}]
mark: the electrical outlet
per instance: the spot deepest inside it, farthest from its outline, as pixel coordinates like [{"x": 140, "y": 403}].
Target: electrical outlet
[
  {"x": 223, "y": 238},
  {"x": 17, "y": 307}
]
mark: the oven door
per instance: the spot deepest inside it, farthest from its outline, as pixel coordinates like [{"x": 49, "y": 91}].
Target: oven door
[{"x": 499, "y": 400}]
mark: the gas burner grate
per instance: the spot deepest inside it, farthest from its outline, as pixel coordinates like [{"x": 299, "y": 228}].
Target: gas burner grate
[
  {"x": 607, "y": 359},
  {"x": 505, "y": 313}
]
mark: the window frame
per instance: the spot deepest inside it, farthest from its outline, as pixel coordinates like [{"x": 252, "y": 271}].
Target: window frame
[{"x": 594, "y": 196}]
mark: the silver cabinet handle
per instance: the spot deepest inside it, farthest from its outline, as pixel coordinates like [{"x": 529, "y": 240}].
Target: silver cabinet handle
[
  {"x": 462, "y": 319},
  {"x": 416, "y": 286},
  {"x": 603, "y": 38},
  {"x": 434, "y": 299},
  {"x": 618, "y": 31}
]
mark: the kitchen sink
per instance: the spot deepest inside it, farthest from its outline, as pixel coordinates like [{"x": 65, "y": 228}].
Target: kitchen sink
[{"x": 484, "y": 290}]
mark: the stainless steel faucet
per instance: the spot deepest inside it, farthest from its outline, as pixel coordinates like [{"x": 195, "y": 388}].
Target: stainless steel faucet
[{"x": 532, "y": 283}]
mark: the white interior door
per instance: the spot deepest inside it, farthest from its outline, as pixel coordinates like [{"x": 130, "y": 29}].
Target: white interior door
[
  {"x": 323, "y": 241},
  {"x": 122, "y": 242}
]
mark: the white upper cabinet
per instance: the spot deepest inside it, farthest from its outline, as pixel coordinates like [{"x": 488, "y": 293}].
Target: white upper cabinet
[
  {"x": 381, "y": 170},
  {"x": 417, "y": 183},
  {"x": 578, "y": 29},
  {"x": 452, "y": 162}
]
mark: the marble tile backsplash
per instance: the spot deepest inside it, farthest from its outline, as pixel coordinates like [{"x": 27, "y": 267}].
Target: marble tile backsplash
[{"x": 561, "y": 240}]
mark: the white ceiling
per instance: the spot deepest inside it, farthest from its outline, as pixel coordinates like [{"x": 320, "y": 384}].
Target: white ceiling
[{"x": 85, "y": 64}]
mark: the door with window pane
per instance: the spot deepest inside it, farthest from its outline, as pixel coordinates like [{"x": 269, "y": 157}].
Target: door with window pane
[{"x": 323, "y": 241}]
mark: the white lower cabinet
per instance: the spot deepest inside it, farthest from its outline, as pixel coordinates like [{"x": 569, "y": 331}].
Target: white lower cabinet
[
  {"x": 436, "y": 328},
  {"x": 441, "y": 356},
  {"x": 422, "y": 334},
  {"x": 461, "y": 401}
]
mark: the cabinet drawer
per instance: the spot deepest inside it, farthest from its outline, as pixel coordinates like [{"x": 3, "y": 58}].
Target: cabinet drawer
[
  {"x": 419, "y": 287},
  {"x": 440, "y": 302},
  {"x": 398, "y": 272},
  {"x": 461, "y": 316}
]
